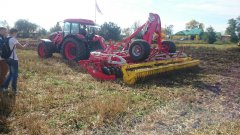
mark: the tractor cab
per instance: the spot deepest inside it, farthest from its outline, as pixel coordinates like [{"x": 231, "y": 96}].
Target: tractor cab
[{"x": 82, "y": 27}]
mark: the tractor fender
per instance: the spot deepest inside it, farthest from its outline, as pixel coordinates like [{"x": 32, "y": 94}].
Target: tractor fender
[
  {"x": 48, "y": 42},
  {"x": 77, "y": 37},
  {"x": 101, "y": 40}
]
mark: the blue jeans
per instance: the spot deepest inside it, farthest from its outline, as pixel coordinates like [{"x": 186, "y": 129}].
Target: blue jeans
[{"x": 12, "y": 76}]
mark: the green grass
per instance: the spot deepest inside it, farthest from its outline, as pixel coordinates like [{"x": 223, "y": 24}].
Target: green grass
[{"x": 56, "y": 97}]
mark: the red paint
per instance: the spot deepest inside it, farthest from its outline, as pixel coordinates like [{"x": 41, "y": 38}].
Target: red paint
[
  {"x": 95, "y": 63},
  {"x": 57, "y": 38},
  {"x": 80, "y": 36},
  {"x": 68, "y": 49},
  {"x": 42, "y": 50},
  {"x": 100, "y": 58},
  {"x": 100, "y": 40},
  {"x": 99, "y": 74}
]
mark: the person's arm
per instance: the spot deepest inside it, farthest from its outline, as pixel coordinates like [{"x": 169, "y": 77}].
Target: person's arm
[{"x": 21, "y": 45}]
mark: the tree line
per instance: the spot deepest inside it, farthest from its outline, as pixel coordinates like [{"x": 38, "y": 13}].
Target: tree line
[
  {"x": 111, "y": 31},
  {"x": 27, "y": 28}
]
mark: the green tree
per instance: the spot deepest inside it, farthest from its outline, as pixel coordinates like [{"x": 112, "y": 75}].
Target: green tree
[
  {"x": 238, "y": 26},
  {"x": 42, "y": 31},
  {"x": 126, "y": 32},
  {"x": 56, "y": 28},
  {"x": 232, "y": 29},
  {"x": 168, "y": 30},
  {"x": 134, "y": 27},
  {"x": 204, "y": 36},
  {"x": 211, "y": 35},
  {"x": 5, "y": 24},
  {"x": 25, "y": 27},
  {"x": 194, "y": 24},
  {"x": 110, "y": 31}
]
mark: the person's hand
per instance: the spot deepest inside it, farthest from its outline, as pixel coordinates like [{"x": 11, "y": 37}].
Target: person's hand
[{"x": 26, "y": 44}]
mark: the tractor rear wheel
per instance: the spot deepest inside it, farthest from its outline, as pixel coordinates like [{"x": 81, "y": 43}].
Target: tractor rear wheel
[
  {"x": 44, "y": 50},
  {"x": 139, "y": 50},
  {"x": 169, "y": 46},
  {"x": 73, "y": 49}
]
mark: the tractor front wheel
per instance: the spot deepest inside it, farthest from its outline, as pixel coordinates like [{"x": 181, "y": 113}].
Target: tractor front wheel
[
  {"x": 139, "y": 50},
  {"x": 44, "y": 50},
  {"x": 73, "y": 49}
]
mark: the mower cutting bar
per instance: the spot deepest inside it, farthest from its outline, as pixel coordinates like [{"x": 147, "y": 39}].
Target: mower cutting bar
[{"x": 132, "y": 72}]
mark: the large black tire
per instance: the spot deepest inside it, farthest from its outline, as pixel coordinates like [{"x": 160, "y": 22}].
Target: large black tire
[
  {"x": 74, "y": 49},
  {"x": 44, "y": 50},
  {"x": 139, "y": 50},
  {"x": 170, "y": 46}
]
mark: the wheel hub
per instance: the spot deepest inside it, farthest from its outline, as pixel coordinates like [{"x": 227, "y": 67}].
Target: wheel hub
[
  {"x": 136, "y": 50},
  {"x": 70, "y": 51}
]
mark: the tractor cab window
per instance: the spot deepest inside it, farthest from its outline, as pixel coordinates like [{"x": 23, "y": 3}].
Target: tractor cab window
[
  {"x": 93, "y": 29},
  {"x": 66, "y": 28},
  {"x": 83, "y": 30},
  {"x": 75, "y": 28}
]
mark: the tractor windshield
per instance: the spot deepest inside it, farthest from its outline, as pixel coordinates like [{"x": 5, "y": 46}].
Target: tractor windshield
[
  {"x": 78, "y": 28},
  {"x": 93, "y": 29}
]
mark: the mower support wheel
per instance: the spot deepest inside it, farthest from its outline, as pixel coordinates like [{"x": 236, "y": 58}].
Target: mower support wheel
[
  {"x": 139, "y": 50},
  {"x": 169, "y": 46}
]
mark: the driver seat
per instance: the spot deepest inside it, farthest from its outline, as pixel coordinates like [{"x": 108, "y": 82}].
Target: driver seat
[{"x": 83, "y": 32}]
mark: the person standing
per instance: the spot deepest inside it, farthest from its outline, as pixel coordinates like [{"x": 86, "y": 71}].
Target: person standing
[
  {"x": 13, "y": 61},
  {"x": 3, "y": 64}
]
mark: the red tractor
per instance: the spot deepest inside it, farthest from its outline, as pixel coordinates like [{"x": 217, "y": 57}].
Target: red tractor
[
  {"x": 75, "y": 42},
  {"x": 131, "y": 58}
]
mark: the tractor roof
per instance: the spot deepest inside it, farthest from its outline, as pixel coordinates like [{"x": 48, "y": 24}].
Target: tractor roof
[{"x": 81, "y": 21}]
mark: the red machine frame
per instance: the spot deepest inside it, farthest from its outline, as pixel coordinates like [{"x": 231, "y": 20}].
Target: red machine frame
[{"x": 113, "y": 56}]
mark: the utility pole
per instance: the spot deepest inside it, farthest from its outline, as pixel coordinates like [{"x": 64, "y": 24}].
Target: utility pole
[{"x": 95, "y": 11}]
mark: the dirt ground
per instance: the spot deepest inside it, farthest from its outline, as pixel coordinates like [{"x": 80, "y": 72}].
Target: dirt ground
[
  {"x": 214, "y": 107},
  {"x": 56, "y": 97}
]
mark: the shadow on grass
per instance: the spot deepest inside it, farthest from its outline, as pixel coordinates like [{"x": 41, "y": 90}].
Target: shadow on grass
[
  {"x": 182, "y": 78},
  {"x": 74, "y": 65},
  {"x": 7, "y": 102},
  {"x": 70, "y": 63},
  {"x": 215, "y": 88}
]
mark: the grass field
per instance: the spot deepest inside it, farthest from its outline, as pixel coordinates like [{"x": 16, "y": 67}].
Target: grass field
[{"x": 58, "y": 97}]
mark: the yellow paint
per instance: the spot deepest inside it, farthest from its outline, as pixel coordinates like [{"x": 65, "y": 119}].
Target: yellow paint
[{"x": 132, "y": 72}]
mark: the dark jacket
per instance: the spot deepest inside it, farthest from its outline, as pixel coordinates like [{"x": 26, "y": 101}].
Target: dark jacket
[{"x": 2, "y": 39}]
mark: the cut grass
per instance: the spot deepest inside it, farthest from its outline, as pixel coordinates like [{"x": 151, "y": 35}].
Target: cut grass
[{"x": 56, "y": 97}]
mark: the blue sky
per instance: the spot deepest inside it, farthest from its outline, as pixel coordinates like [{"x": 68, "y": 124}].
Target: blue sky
[{"x": 123, "y": 12}]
